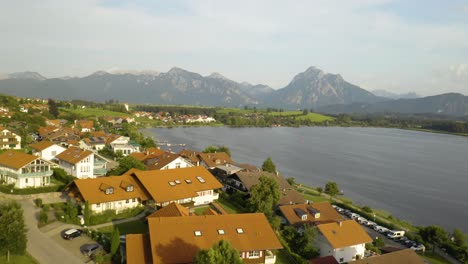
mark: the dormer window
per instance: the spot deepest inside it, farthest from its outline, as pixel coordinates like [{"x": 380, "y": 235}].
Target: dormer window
[
  {"x": 109, "y": 190},
  {"x": 129, "y": 188},
  {"x": 304, "y": 217}
]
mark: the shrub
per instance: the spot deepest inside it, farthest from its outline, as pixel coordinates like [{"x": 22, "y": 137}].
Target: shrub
[
  {"x": 43, "y": 217},
  {"x": 46, "y": 208},
  {"x": 11, "y": 190},
  {"x": 38, "y": 202}
]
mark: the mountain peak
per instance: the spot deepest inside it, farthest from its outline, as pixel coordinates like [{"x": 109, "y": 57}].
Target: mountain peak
[
  {"x": 27, "y": 75},
  {"x": 217, "y": 75},
  {"x": 99, "y": 73},
  {"x": 175, "y": 70}
]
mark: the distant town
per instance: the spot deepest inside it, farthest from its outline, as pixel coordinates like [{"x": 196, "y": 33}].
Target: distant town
[{"x": 81, "y": 184}]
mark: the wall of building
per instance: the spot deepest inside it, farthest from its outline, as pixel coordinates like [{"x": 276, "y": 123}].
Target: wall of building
[
  {"x": 177, "y": 163},
  {"x": 116, "y": 205},
  {"x": 341, "y": 255},
  {"x": 205, "y": 197},
  {"x": 51, "y": 152}
]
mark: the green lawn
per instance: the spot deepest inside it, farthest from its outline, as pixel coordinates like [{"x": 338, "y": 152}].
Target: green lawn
[
  {"x": 315, "y": 198},
  {"x": 314, "y": 117},
  {"x": 94, "y": 112},
  {"x": 133, "y": 227},
  {"x": 433, "y": 258},
  {"x": 282, "y": 257},
  {"x": 286, "y": 113},
  {"x": 230, "y": 207},
  {"x": 14, "y": 259},
  {"x": 235, "y": 111},
  {"x": 201, "y": 209}
]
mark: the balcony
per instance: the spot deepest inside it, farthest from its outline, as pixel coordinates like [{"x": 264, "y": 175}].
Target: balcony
[{"x": 27, "y": 175}]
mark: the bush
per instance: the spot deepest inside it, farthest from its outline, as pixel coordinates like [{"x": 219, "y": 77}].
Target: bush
[
  {"x": 43, "y": 217},
  {"x": 109, "y": 215},
  {"x": 38, "y": 202},
  {"x": 62, "y": 176},
  {"x": 46, "y": 208},
  {"x": 11, "y": 190}
]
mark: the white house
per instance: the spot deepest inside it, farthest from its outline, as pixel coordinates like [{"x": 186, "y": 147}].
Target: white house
[
  {"x": 108, "y": 193},
  {"x": 46, "y": 149},
  {"x": 9, "y": 140},
  {"x": 122, "y": 144},
  {"x": 77, "y": 162},
  {"x": 24, "y": 170},
  {"x": 344, "y": 240},
  {"x": 167, "y": 161}
]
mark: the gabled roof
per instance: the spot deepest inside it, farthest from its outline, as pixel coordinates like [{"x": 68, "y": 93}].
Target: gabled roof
[
  {"x": 111, "y": 138},
  {"x": 42, "y": 145},
  {"x": 74, "y": 155},
  {"x": 91, "y": 141},
  {"x": 328, "y": 214},
  {"x": 176, "y": 184},
  {"x": 405, "y": 256},
  {"x": 85, "y": 123},
  {"x": 138, "y": 249},
  {"x": 291, "y": 196},
  {"x": 344, "y": 234},
  {"x": 191, "y": 155},
  {"x": 215, "y": 159},
  {"x": 161, "y": 161},
  {"x": 94, "y": 190},
  {"x": 171, "y": 210},
  {"x": 151, "y": 153},
  {"x": 16, "y": 159},
  {"x": 173, "y": 239}
]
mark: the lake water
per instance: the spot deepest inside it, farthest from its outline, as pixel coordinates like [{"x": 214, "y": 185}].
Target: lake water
[{"x": 416, "y": 176}]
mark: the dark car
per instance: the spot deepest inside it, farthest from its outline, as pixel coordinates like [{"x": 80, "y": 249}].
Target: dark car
[
  {"x": 71, "y": 233},
  {"x": 90, "y": 249}
]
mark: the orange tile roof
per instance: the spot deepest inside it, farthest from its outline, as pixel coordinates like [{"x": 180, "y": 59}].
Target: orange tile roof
[
  {"x": 94, "y": 190},
  {"x": 151, "y": 153},
  {"x": 74, "y": 155},
  {"x": 173, "y": 239},
  {"x": 215, "y": 159},
  {"x": 405, "y": 256},
  {"x": 161, "y": 161},
  {"x": 344, "y": 234},
  {"x": 98, "y": 133},
  {"x": 111, "y": 138},
  {"x": 85, "y": 123},
  {"x": 138, "y": 249},
  {"x": 41, "y": 145},
  {"x": 16, "y": 159},
  {"x": 190, "y": 155},
  {"x": 328, "y": 214},
  {"x": 157, "y": 183},
  {"x": 170, "y": 210}
]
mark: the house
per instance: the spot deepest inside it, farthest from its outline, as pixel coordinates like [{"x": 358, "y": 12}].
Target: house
[
  {"x": 191, "y": 185},
  {"x": 211, "y": 160},
  {"x": 59, "y": 135},
  {"x": 84, "y": 125},
  {"x": 108, "y": 193},
  {"x": 171, "y": 210},
  {"x": 190, "y": 155},
  {"x": 318, "y": 213},
  {"x": 244, "y": 180},
  {"x": 46, "y": 149},
  {"x": 122, "y": 144},
  {"x": 405, "y": 256},
  {"x": 77, "y": 162},
  {"x": 24, "y": 170},
  {"x": 344, "y": 240},
  {"x": 178, "y": 239},
  {"x": 9, "y": 140},
  {"x": 93, "y": 143},
  {"x": 150, "y": 153},
  {"x": 167, "y": 161}
]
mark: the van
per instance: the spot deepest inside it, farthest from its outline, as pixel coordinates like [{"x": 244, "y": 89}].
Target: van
[{"x": 395, "y": 234}]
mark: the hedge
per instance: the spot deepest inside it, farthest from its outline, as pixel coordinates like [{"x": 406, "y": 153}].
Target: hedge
[{"x": 46, "y": 189}]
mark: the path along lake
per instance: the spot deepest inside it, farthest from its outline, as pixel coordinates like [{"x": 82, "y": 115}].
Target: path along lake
[{"x": 416, "y": 176}]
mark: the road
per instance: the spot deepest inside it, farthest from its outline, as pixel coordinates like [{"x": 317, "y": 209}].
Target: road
[{"x": 43, "y": 248}]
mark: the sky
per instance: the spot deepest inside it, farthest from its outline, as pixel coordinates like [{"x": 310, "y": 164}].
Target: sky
[{"x": 401, "y": 46}]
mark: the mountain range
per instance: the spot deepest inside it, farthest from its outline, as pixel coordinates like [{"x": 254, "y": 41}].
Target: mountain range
[{"x": 311, "y": 89}]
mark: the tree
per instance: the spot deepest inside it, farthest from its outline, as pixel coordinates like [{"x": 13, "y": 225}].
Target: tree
[
  {"x": 302, "y": 244},
  {"x": 125, "y": 164},
  {"x": 221, "y": 252},
  {"x": 53, "y": 109},
  {"x": 115, "y": 241},
  {"x": 87, "y": 213},
  {"x": 331, "y": 188},
  {"x": 434, "y": 235},
  {"x": 459, "y": 238},
  {"x": 13, "y": 238},
  {"x": 214, "y": 149},
  {"x": 320, "y": 190},
  {"x": 291, "y": 181},
  {"x": 264, "y": 195},
  {"x": 269, "y": 166}
]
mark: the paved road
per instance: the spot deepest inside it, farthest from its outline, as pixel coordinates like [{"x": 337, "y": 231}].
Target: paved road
[{"x": 43, "y": 248}]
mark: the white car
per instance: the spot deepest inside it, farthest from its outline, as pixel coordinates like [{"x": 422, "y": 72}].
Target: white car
[
  {"x": 419, "y": 247},
  {"x": 370, "y": 223},
  {"x": 361, "y": 220}
]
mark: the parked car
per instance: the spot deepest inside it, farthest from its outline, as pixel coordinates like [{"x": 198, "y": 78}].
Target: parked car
[
  {"x": 354, "y": 216},
  {"x": 419, "y": 247},
  {"x": 90, "y": 249},
  {"x": 71, "y": 233},
  {"x": 361, "y": 220},
  {"x": 370, "y": 224},
  {"x": 395, "y": 234}
]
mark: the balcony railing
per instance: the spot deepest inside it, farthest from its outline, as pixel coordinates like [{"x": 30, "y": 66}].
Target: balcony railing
[{"x": 26, "y": 175}]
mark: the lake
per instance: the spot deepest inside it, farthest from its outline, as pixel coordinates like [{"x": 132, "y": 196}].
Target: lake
[{"x": 416, "y": 176}]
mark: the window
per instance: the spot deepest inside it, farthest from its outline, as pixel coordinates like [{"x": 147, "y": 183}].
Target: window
[
  {"x": 98, "y": 205},
  {"x": 129, "y": 188},
  {"x": 177, "y": 165},
  {"x": 221, "y": 231},
  {"x": 109, "y": 190},
  {"x": 240, "y": 231},
  {"x": 188, "y": 181},
  {"x": 253, "y": 254},
  {"x": 341, "y": 260},
  {"x": 197, "y": 233},
  {"x": 172, "y": 184},
  {"x": 134, "y": 200},
  {"x": 127, "y": 201},
  {"x": 26, "y": 180}
]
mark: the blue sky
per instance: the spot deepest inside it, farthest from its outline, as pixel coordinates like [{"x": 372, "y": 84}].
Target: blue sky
[{"x": 398, "y": 46}]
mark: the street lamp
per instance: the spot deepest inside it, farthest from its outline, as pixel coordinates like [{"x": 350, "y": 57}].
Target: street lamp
[{"x": 374, "y": 217}]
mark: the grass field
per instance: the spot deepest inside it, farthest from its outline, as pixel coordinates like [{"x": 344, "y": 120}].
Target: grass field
[
  {"x": 133, "y": 227},
  {"x": 236, "y": 111},
  {"x": 433, "y": 259},
  {"x": 314, "y": 117},
  {"x": 287, "y": 113},
  {"x": 230, "y": 207},
  {"x": 94, "y": 112},
  {"x": 26, "y": 259}
]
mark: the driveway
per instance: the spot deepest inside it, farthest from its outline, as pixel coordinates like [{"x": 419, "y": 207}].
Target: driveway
[{"x": 43, "y": 248}]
